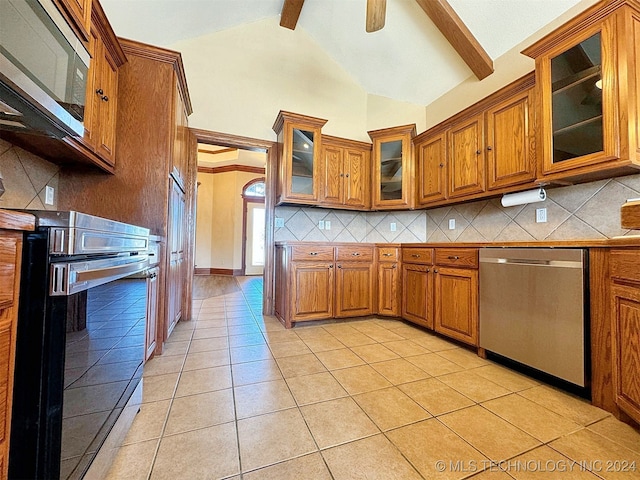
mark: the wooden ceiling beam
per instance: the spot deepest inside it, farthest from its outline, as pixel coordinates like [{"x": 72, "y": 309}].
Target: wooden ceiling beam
[
  {"x": 459, "y": 36},
  {"x": 290, "y": 13},
  {"x": 376, "y": 13}
]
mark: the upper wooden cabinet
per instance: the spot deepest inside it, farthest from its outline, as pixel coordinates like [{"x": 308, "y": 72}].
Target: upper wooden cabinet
[
  {"x": 392, "y": 168},
  {"x": 101, "y": 105},
  {"x": 466, "y": 158},
  {"x": 345, "y": 173},
  {"x": 587, "y": 72},
  {"x": 299, "y": 153},
  {"x": 487, "y": 148},
  {"x": 510, "y": 141},
  {"x": 78, "y": 14},
  {"x": 179, "y": 169}
]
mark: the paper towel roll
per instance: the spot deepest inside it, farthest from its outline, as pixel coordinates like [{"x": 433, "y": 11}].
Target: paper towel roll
[{"x": 520, "y": 198}]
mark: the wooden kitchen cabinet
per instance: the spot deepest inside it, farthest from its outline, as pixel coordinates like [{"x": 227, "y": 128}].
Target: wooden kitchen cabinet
[
  {"x": 587, "y": 73},
  {"x": 392, "y": 168},
  {"x": 175, "y": 251},
  {"x": 10, "y": 263},
  {"x": 320, "y": 281},
  {"x": 151, "y": 331},
  {"x": 625, "y": 329},
  {"x": 456, "y": 303},
  {"x": 77, "y": 14},
  {"x": 466, "y": 158},
  {"x": 417, "y": 285},
  {"x": 180, "y": 167},
  {"x": 102, "y": 88},
  {"x": 456, "y": 293},
  {"x": 486, "y": 149},
  {"x": 510, "y": 141},
  {"x": 431, "y": 164},
  {"x": 389, "y": 281},
  {"x": 299, "y": 158},
  {"x": 345, "y": 173}
]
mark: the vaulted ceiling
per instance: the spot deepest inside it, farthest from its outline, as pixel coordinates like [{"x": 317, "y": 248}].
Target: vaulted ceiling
[{"x": 408, "y": 60}]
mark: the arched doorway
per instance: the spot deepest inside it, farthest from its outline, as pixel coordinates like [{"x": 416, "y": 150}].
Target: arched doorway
[{"x": 253, "y": 229}]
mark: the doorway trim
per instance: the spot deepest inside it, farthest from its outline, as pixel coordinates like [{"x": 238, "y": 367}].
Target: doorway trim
[
  {"x": 246, "y": 199},
  {"x": 271, "y": 174}
]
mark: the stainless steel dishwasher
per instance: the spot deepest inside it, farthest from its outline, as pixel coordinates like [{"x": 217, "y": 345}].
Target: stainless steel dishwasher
[{"x": 532, "y": 308}]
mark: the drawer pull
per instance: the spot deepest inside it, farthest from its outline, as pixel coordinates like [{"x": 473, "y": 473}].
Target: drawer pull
[
  {"x": 435, "y": 270},
  {"x": 313, "y": 254},
  {"x": 331, "y": 266},
  {"x": 453, "y": 257},
  {"x": 339, "y": 266},
  {"x": 356, "y": 254},
  {"x": 387, "y": 254},
  {"x": 416, "y": 255},
  {"x": 394, "y": 266}
]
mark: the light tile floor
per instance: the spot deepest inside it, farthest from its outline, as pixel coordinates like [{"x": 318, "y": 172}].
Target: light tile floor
[{"x": 235, "y": 395}]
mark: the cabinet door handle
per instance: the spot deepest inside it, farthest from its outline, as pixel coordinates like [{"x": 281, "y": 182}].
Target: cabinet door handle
[
  {"x": 387, "y": 254},
  {"x": 435, "y": 270},
  {"x": 453, "y": 257},
  {"x": 99, "y": 91},
  {"x": 331, "y": 266},
  {"x": 428, "y": 270},
  {"x": 489, "y": 147},
  {"x": 313, "y": 254},
  {"x": 342, "y": 174},
  {"x": 416, "y": 255},
  {"x": 394, "y": 266},
  {"x": 441, "y": 165},
  {"x": 339, "y": 266},
  {"x": 347, "y": 175},
  {"x": 105, "y": 98},
  {"x": 355, "y": 254},
  {"x": 478, "y": 152}
]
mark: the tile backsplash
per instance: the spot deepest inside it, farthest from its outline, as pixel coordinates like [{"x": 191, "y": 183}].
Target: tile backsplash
[
  {"x": 25, "y": 177},
  {"x": 585, "y": 211}
]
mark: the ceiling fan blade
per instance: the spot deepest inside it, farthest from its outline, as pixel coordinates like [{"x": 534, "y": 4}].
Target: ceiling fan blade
[
  {"x": 290, "y": 13},
  {"x": 376, "y": 10}
]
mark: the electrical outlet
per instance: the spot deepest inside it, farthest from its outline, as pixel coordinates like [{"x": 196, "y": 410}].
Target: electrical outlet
[
  {"x": 393, "y": 227},
  {"x": 321, "y": 224},
  {"x": 327, "y": 225},
  {"x": 279, "y": 222},
  {"x": 48, "y": 195},
  {"x": 452, "y": 224},
  {"x": 541, "y": 215}
]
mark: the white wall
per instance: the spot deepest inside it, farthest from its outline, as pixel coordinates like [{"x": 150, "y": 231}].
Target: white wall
[{"x": 239, "y": 79}]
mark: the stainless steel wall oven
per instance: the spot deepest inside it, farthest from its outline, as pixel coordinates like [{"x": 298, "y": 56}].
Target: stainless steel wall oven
[{"x": 80, "y": 341}]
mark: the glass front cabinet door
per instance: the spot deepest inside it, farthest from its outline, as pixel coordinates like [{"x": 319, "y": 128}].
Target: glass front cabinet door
[
  {"x": 393, "y": 169},
  {"x": 299, "y": 151},
  {"x": 587, "y": 75}
]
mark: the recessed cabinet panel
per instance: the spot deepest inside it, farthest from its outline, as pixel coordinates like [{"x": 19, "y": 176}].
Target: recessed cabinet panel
[
  {"x": 432, "y": 172},
  {"x": 576, "y": 100},
  {"x": 333, "y": 176},
  {"x": 466, "y": 165}
]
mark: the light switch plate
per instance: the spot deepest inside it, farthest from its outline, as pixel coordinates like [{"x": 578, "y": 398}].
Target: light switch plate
[
  {"x": 452, "y": 224},
  {"x": 321, "y": 224},
  {"x": 48, "y": 195},
  {"x": 327, "y": 225},
  {"x": 393, "y": 226},
  {"x": 541, "y": 215}
]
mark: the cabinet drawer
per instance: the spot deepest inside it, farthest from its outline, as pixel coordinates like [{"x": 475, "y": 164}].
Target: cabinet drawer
[
  {"x": 422, "y": 256},
  {"x": 388, "y": 254},
  {"x": 312, "y": 253},
  {"x": 354, "y": 253},
  {"x": 457, "y": 257},
  {"x": 625, "y": 264}
]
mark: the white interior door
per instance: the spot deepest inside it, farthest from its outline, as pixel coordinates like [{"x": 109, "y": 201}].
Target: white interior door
[{"x": 254, "y": 248}]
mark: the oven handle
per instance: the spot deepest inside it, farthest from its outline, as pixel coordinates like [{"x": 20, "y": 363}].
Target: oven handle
[{"x": 74, "y": 277}]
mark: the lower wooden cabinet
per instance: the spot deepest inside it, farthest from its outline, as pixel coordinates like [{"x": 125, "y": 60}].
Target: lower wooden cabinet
[
  {"x": 625, "y": 330},
  {"x": 152, "y": 313},
  {"x": 312, "y": 290},
  {"x": 417, "y": 294},
  {"x": 354, "y": 289},
  {"x": 456, "y": 303},
  {"x": 10, "y": 255}
]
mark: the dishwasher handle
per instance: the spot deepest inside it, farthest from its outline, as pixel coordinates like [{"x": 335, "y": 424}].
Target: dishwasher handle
[{"x": 533, "y": 262}]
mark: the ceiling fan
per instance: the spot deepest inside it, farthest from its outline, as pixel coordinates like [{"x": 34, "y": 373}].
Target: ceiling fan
[{"x": 441, "y": 14}]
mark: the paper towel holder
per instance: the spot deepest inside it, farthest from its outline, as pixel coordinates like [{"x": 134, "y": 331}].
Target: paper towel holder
[{"x": 521, "y": 198}]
